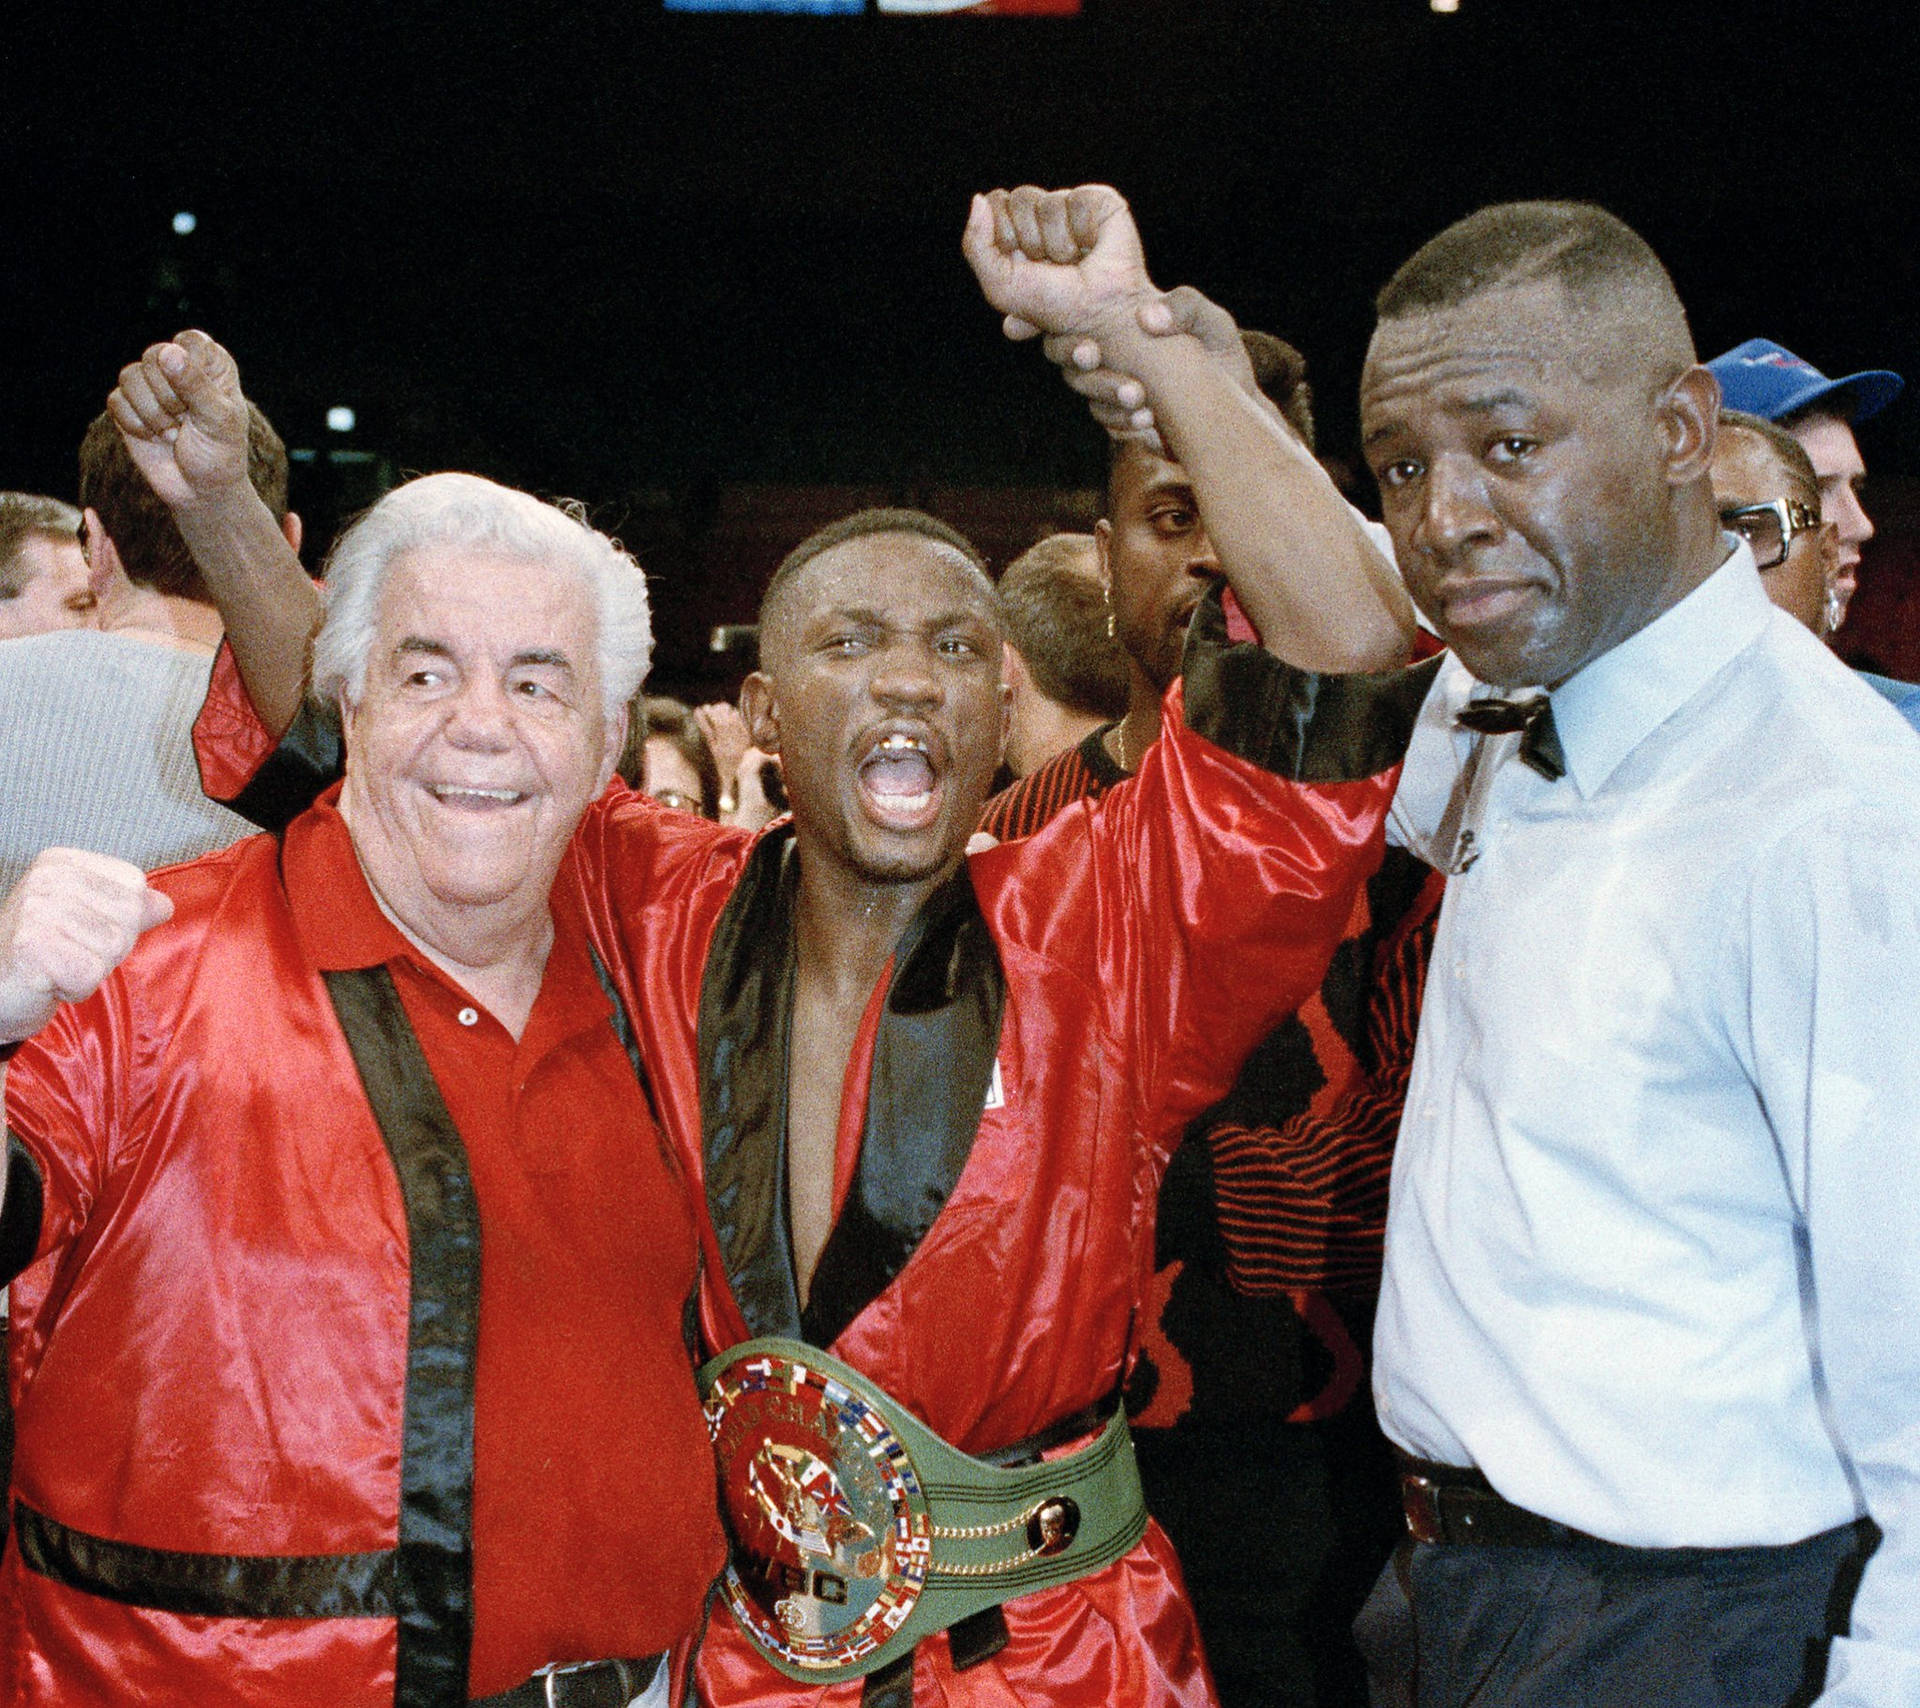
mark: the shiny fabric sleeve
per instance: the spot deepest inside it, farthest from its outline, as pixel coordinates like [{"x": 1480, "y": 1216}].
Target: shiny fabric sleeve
[
  {"x": 269, "y": 783},
  {"x": 1208, "y": 894},
  {"x": 229, "y": 740},
  {"x": 76, "y": 1097},
  {"x": 1830, "y": 940}
]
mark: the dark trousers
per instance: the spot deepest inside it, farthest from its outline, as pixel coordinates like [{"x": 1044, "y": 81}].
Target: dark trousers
[{"x": 1590, "y": 1625}]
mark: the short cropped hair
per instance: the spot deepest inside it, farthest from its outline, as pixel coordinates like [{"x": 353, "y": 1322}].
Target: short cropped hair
[
  {"x": 1607, "y": 269},
  {"x": 859, "y": 526},
  {"x": 1055, "y": 615},
  {"x": 1791, "y": 454},
  {"x": 23, "y": 514},
  {"x": 468, "y": 513},
  {"x": 141, "y": 527}
]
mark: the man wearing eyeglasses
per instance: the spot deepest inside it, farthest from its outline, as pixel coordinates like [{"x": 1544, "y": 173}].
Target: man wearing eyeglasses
[
  {"x": 1769, "y": 496},
  {"x": 1768, "y": 493},
  {"x": 1766, "y": 379}
]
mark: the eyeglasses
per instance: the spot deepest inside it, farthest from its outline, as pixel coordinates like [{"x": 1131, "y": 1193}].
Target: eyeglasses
[
  {"x": 675, "y": 799},
  {"x": 1770, "y": 528}
]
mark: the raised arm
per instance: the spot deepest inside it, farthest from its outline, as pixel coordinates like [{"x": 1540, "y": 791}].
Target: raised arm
[
  {"x": 184, "y": 417},
  {"x": 1068, "y": 263}
]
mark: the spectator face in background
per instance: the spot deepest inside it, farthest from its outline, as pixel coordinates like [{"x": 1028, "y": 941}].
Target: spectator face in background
[
  {"x": 1156, "y": 559},
  {"x": 670, "y": 777},
  {"x": 1799, "y": 562},
  {"x": 45, "y": 587},
  {"x": 1766, "y": 379},
  {"x": 1155, "y": 556},
  {"x": 1830, "y": 445},
  {"x": 1065, "y": 674},
  {"x": 668, "y": 757},
  {"x": 44, "y": 581}
]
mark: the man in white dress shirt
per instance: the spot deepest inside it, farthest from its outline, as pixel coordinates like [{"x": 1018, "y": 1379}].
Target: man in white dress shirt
[
  {"x": 1650, "y": 1333},
  {"x": 1653, "y": 1269}
]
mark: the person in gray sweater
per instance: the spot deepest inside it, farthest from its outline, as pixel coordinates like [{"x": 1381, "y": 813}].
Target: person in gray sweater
[{"x": 96, "y": 724}]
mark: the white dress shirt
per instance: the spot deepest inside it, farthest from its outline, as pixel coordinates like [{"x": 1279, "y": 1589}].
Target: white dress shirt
[{"x": 1653, "y": 1253}]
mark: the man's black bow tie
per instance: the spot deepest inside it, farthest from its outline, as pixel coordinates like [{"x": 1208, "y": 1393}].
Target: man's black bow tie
[{"x": 1531, "y": 713}]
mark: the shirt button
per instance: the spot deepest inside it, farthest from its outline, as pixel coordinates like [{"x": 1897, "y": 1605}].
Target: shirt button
[{"x": 469, "y": 1017}]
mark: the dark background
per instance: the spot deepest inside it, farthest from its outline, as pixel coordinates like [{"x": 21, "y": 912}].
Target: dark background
[{"x": 704, "y": 272}]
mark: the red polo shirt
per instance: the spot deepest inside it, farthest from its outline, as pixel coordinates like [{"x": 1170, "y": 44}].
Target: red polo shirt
[{"x": 594, "y": 1524}]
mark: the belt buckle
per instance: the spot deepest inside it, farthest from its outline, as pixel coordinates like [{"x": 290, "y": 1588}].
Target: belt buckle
[
  {"x": 566, "y": 1669},
  {"x": 1420, "y": 1506}
]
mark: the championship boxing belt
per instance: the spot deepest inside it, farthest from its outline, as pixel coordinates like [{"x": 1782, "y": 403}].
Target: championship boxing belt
[{"x": 854, "y": 1530}]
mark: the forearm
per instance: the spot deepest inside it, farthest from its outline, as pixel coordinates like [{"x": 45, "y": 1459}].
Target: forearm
[
  {"x": 270, "y": 609},
  {"x": 1318, "y": 590}
]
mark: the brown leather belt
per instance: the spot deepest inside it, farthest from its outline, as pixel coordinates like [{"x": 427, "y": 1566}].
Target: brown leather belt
[
  {"x": 584, "y": 1684},
  {"x": 1456, "y": 1504}
]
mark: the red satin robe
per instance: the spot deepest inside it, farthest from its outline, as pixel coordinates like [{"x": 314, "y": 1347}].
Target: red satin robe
[
  {"x": 1147, "y": 941},
  {"x": 211, "y": 1355}
]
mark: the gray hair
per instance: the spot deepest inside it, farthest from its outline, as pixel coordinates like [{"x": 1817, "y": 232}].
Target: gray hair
[{"x": 465, "y": 511}]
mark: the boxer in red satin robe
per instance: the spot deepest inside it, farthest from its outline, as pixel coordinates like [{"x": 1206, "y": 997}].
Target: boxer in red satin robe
[{"x": 1025, "y": 1039}]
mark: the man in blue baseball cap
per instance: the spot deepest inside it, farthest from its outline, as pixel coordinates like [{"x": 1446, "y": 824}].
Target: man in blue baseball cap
[{"x": 1767, "y": 379}]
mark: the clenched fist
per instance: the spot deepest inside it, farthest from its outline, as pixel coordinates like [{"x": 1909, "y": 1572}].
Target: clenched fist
[
  {"x": 1056, "y": 261},
  {"x": 184, "y": 417},
  {"x": 72, "y": 918}
]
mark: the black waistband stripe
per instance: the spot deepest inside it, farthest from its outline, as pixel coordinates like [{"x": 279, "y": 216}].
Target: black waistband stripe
[{"x": 209, "y": 1586}]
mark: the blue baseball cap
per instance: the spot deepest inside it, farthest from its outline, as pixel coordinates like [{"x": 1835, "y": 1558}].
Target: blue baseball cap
[{"x": 1769, "y": 380}]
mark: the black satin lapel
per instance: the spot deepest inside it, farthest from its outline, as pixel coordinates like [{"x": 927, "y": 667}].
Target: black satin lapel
[
  {"x": 746, "y": 1004},
  {"x": 1311, "y": 728},
  {"x": 433, "y": 1579},
  {"x": 932, "y": 1067}
]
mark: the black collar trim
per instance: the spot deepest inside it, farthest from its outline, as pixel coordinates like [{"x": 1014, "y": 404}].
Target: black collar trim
[
  {"x": 932, "y": 1068},
  {"x": 1098, "y": 761},
  {"x": 433, "y": 1574}
]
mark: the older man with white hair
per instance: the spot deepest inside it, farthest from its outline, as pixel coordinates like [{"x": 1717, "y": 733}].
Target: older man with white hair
[{"x": 348, "y": 1350}]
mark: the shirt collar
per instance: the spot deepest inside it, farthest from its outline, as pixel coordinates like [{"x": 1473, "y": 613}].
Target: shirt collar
[
  {"x": 1607, "y": 709},
  {"x": 339, "y": 923}
]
